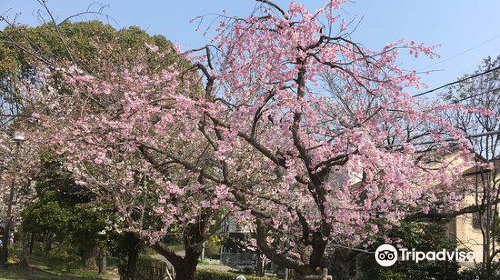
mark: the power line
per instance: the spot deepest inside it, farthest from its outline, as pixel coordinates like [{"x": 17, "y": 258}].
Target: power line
[
  {"x": 458, "y": 81},
  {"x": 459, "y": 54},
  {"x": 495, "y": 132},
  {"x": 488, "y": 133},
  {"x": 475, "y": 95}
]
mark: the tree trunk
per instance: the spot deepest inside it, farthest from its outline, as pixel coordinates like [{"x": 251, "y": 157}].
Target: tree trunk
[
  {"x": 360, "y": 259},
  {"x": 128, "y": 261},
  {"x": 48, "y": 244},
  {"x": 193, "y": 239},
  {"x": 184, "y": 267},
  {"x": 23, "y": 261},
  {"x": 32, "y": 241},
  {"x": 89, "y": 259},
  {"x": 186, "y": 270},
  {"x": 186, "y": 273},
  {"x": 343, "y": 265},
  {"x": 101, "y": 260},
  {"x": 4, "y": 253}
]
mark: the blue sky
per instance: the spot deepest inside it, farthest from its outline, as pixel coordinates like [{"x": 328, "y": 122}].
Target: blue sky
[{"x": 456, "y": 25}]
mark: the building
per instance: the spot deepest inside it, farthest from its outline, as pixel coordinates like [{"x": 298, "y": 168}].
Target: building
[{"x": 467, "y": 229}]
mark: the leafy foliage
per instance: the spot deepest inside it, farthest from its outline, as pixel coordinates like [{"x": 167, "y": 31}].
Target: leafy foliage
[
  {"x": 423, "y": 237},
  {"x": 86, "y": 43},
  {"x": 65, "y": 209}
]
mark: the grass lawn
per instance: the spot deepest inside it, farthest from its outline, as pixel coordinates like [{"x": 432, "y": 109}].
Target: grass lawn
[
  {"x": 40, "y": 270},
  {"x": 38, "y": 262},
  {"x": 11, "y": 273}
]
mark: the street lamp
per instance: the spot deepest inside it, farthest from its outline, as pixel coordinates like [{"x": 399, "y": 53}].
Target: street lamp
[{"x": 18, "y": 137}]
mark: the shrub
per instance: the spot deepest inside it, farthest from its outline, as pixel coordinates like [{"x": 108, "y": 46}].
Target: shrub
[
  {"x": 211, "y": 274},
  {"x": 64, "y": 257},
  {"x": 212, "y": 246},
  {"x": 423, "y": 237},
  {"x": 13, "y": 254},
  {"x": 475, "y": 274}
]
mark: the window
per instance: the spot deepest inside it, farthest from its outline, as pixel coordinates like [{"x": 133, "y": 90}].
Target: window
[{"x": 475, "y": 220}]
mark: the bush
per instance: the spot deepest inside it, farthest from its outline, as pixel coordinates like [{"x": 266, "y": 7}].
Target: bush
[
  {"x": 423, "y": 237},
  {"x": 64, "y": 257},
  {"x": 475, "y": 274},
  {"x": 212, "y": 247},
  {"x": 210, "y": 274},
  {"x": 12, "y": 254}
]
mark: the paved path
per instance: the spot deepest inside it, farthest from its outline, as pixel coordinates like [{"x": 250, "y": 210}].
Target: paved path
[{"x": 218, "y": 267}]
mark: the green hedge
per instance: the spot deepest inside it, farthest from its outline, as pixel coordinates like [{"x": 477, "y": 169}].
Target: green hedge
[{"x": 211, "y": 274}]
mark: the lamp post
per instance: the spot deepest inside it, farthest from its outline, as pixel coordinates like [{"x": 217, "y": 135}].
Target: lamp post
[{"x": 18, "y": 138}]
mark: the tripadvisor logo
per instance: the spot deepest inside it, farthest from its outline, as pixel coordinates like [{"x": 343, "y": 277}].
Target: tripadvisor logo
[{"x": 387, "y": 255}]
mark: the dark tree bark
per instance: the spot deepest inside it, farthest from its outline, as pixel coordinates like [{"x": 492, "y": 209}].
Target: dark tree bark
[
  {"x": 23, "y": 261},
  {"x": 32, "y": 241},
  {"x": 9, "y": 218},
  {"x": 101, "y": 260},
  {"x": 184, "y": 267},
  {"x": 186, "y": 271},
  {"x": 344, "y": 263},
  {"x": 4, "y": 253},
  {"x": 127, "y": 267},
  {"x": 194, "y": 237},
  {"x": 48, "y": 244}
]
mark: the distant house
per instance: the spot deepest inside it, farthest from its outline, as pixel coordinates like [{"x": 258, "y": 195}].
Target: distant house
[{"x": 466, "y": 229}]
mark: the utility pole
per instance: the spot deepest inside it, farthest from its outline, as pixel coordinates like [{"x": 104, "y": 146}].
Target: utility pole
[{"x": 4, "y": 253}]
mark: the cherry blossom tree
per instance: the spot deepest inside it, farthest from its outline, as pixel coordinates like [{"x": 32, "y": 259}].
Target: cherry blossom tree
[
  {"x": 314, "y": 167},
  {"x": 123, "y": 182},
  {"x": 103, "y": 131},
  {"x": 308, "y": 136}
]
